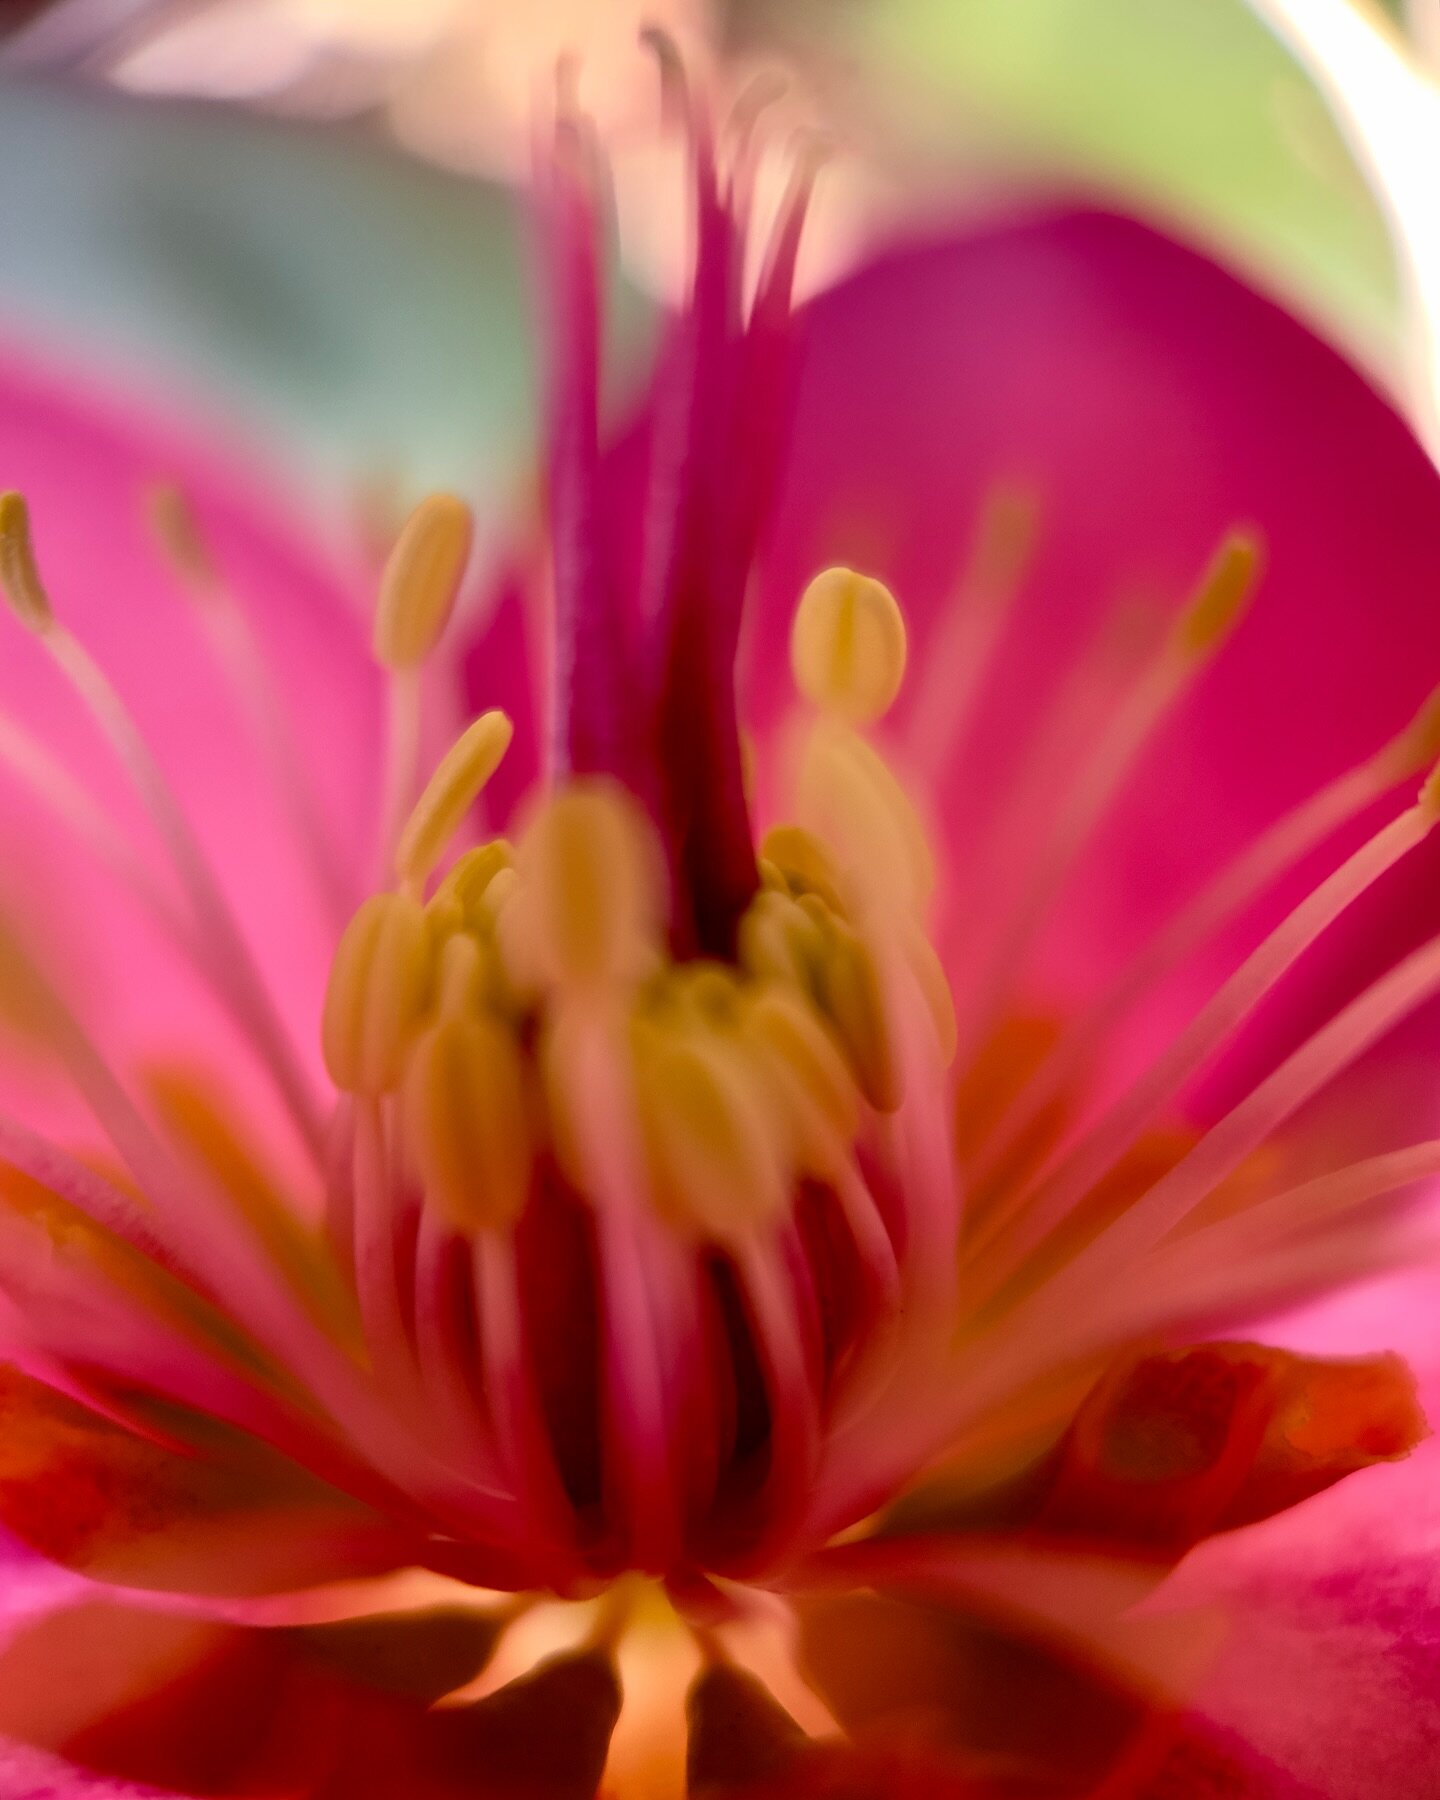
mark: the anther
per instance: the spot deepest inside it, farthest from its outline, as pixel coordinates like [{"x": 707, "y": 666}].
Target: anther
[
  {"x": 378, "y": 985},
  {"x": 466, "y": 1121},
  {"x": 847, "y": 646},
  {"x": 714, "y": 1158},
  {"x": 1221, "y": 596},
  {"x": 467, "y": 881},
  {"x": 777, "y": 940},
  {"x": 803, "y": 861},
  {"x": 806, "y": 1054},
  {"x": 449, "y": 794},
  {"x": 1418, "y": 745},
  {"x": 176, "y": 529},
  {"x": 855, "y": 803},
  {"x": 19, "y": 572},
  {"x": 1428, "y": 799},
  {"x": 588, "y": 885},
  {"x": 421, "y": 580}
]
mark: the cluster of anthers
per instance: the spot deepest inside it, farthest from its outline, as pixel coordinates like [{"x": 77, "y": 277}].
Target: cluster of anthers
[{"x": 522, "y": 1023}]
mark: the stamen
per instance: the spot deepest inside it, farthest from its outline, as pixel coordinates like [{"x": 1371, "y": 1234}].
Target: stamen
[
  {"x": 240, "y": 654},
  {"x": 1037, "y": 1212},
  {"x": 64, "y": 797},
  {"x": 715, "y": 1164},
  {"x": 421, "y": 581},
  {"x": 231, "y": 967},
  {"x": 19, "y": 572},
  {"x": 1285, "y": 844},
  {"x": 969, "y": 632},
  {"x": 1302, "y": 1211},
  {"x": 450, "y": 793},
  {"x": 467, "y": 1121},
  {"x": 1142, "y": 1226},
  {"x": 1219, "y": 601},
  {"x": 1213, "y": 611},
  {"x": 847, "y": 646},
  {"x": 849, "y": 797},
  {"x": 418, "y": 588},
  {"x": 379, "y": 982},
  {"x": 378, "y": 1281},
  {"x": 589, "y": 875},
  {"x": 177, "y": 530}
]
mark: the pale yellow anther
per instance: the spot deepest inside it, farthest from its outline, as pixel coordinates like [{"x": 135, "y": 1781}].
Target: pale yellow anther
[
  {"x": 853, "y": 801},
  {"x": 810, "y": 1065},
  {"x": 1004, "y": 541},
  {"x": 587, "y": 901},
  {"x": 1220, "y": 596},
  {"x": 1418, "y": 745},
  {"x": 851, "y": 994},
  {"x": 421, "y": 580},
  {"x": 715, "y": 1156},
  {"x": 777, "y": 940},
  {"x": 450, "y": 793},
  {"x": 177, "y": 531},
  {"x": 803, "y": 861},
  {"x": 708, "y": 990},
  {"x": 1428, "y": 798},
  {"x": 19, "y": 572},
  {"x": 847, "y": 646},
  {"x": 461, "y": 979},
  {"x": 467, "y": 881},
  {"x": 467, "y": 1121},
  {"x": 379, "y": 982}
]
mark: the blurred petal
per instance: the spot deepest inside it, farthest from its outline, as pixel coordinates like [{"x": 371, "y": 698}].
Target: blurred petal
[
  {"x": 334, "y": 1709},
  {"x": 227, "y": 1516},
  {"x": 1151, "y": 402},
  {"x": 1330, "y": 1667}
]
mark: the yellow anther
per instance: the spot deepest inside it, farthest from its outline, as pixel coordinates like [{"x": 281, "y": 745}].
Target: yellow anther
[
  {"x": 467, "y": 1121},
  {"x": 715, "y": 1157},
  {"x": 378, "y": 987},
  {"x": 1004, "y": 541},
  {"x": 468, "y": 880},
  {"x": 421, "y": 579},
  {"x": 851, "y": 994},
  {"x": 810, "y": 1067},
  {"x": 177, "y": 531},
  {"x": 19, "y": 572},
  {"x": 450, "y": 793},
  {"x": 847, "y": 646},
  {"x": 850, "y": 796},
  {"x": 1221, "y": 595},
  {"x": 1418, "y": 745},
  {"x": 462, "y": 978},
  {"x": 588, "y": 895},
  {"x": 803, "y": 860},
  {"x": 1429, "y": 796},
  {"x": 777, "y": 940},
  {"x": 708, "y": 990}
]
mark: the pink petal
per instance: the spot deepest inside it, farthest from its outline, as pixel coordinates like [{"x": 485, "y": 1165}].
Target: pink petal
[
  {"x": 85, "y": 469},
  {"x": 1154, "y": 402},
  {"x": 1335, "y": 1611}
]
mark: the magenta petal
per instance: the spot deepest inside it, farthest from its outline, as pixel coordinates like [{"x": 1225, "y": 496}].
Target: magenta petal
[
  {"x": 1154, "y": 402},
  {"x": 1329, "y": 1668},
  {"x": 85, "y": 470}
]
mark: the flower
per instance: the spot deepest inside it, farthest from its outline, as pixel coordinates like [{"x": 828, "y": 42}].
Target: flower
[{"x": 744, "y": 1310}]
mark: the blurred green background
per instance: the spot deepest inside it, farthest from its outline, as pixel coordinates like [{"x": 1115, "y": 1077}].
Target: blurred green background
[{"x": 368, "y": 314}]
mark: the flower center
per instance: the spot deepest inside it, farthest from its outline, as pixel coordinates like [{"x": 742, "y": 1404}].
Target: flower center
[{"x": 525, "y": 1026}]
